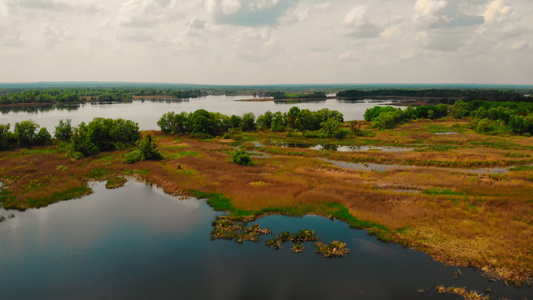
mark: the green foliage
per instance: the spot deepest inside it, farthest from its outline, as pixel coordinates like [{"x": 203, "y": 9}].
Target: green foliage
[
  {"x": 248, "y": 122},
  {"x": 485, "y": 126},
  {"x": 25, "y": 133},
  {"x": 43, "y": 137},
  {"x": 242, "y": 158},
  {"x": 63, "y": 130},
  {"x": 7, "y": 138},
  {"x": 102, "y": 135},
  {"x": 146, "y": 150}
]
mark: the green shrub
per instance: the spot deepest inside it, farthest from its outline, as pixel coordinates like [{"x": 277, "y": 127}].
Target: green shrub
[{"x": 242, "y": 158}]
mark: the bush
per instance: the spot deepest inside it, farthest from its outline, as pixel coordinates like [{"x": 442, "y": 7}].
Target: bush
[
  {"x": 242, "y": 158},
  {"x": 146, "y": 150}
]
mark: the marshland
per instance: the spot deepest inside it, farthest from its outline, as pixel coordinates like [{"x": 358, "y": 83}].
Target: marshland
[{"x": 464, "y": 199}]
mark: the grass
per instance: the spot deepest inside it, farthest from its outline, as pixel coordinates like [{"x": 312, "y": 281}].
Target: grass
[
  {"x": 71, "y": 193},
  {"x": 439, "y": 191}
]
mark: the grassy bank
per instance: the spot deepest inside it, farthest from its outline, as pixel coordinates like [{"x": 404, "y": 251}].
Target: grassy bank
[{"x": 438, "y": 203}]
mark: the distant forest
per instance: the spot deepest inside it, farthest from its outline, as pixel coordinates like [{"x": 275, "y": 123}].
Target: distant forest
[
  {"x": 442, "y": 94},
  {"x": 43, "y": 93}
]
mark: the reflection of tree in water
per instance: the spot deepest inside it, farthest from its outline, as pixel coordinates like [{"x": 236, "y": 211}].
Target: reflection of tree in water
[
  {"x": 331, "y": 147},
  {"x": 39, "y": 108}
]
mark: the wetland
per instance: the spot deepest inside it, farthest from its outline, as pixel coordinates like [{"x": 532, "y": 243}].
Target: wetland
[{"x": 429, "y": 205}]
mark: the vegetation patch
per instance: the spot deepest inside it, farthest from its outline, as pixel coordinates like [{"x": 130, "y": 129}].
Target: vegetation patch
[
  {"x": 461, "y": 291},
  {"x": 115, "y": 182},
  {"x": 332, "y": 249},
  {"x": 71, "y": 193}
]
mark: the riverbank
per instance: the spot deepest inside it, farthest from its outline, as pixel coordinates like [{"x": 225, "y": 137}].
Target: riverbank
[{"x": 470, "y": 219}]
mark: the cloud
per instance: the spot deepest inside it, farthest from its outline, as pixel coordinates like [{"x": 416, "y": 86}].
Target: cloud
[
  {"x": 520, "y": 46},
  {"x": 42, "y": 4},
  {"x": 349, "y": 55},
  {"x": 54, "y": 34},
  {"x": 251, "y": 13},
  {"x": 444, "y": 14},
  {"x": 498, "y": 11},
  {"x": 140, "y": 13},
  {"x": 257, "y": 45},
  {"x": 358, "y": 23}
]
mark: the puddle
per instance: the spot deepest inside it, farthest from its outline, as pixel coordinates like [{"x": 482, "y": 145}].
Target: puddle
[{"x": 383, "y": 168}]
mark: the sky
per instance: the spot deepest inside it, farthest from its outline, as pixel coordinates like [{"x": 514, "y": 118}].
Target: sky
[{"x": 241, "y": 42}]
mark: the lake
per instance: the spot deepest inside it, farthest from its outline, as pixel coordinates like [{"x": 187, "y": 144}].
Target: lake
[
  {"x": 147, "y": 113},
  {"x": 136, "y": 242}
]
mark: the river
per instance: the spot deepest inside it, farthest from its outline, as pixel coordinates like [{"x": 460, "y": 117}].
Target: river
[{"x": 146, "y": 113}]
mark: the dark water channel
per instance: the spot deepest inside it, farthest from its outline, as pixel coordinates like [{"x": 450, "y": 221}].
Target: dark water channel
[{"x": 138, "y": 243}]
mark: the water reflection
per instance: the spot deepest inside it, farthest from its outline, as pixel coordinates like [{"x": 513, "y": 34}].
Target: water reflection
[{"x": 147, "y": 113}]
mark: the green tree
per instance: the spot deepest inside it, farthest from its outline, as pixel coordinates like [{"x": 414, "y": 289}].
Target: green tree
[
  {"x": 248, "y": 122},
  {"x": 63, "y": 130},
  {"x": 25, "y": 132}
]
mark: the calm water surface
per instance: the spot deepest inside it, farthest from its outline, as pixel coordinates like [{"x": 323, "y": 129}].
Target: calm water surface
[
  {"x": 148, "y": 112},
  {"x": 138, "y": 243}
]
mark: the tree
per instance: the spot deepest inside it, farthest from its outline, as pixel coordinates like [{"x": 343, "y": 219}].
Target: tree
[
  {"x": 7, "y": 139},
  {"x": 63, "y": 130},
  {"x": 248, "y": 122},
  {"x": 146, "y": 150},
  {"x": 25, "y": 132},
  {"x": 43, "y": 137}
]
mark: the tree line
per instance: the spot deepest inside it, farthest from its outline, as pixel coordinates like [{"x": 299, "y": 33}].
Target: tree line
[
  {"x": 463, "y": 94},
  {"x": 19, "y": 96},
  {"x": 101, "y": 134},
  {"x": 489, "y": 117},
  {"x": 203, "y": 123}
]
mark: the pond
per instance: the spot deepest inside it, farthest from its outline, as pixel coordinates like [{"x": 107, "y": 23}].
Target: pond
[
  {"x": 138, "y": 243},
  {"x": 148, "y": 112}
]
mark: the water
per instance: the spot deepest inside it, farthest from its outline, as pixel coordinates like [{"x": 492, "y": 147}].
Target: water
[
  {"x": 138, "y": 243},
  {"x": 340, "y": 148},
  {"x": 148, "y": 112}
]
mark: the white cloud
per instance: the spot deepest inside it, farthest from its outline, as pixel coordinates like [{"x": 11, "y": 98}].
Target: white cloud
[
  {"x": 359, "y": 23},
  {"x": 140, "y": 13},
  {"x": 224, "y": 41},
  {"x": 498, "y": 11},
  {"x": 445, "y": 14},
  {"x": 257, "y": 45},
  {"x": 520, "y": 46},
  {"x": 230, "y": 7},
  {"x": 349, "y": 55}
]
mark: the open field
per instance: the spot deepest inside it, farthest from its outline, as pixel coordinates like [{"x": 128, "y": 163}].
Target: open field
[{"x": 446, "y": 203}]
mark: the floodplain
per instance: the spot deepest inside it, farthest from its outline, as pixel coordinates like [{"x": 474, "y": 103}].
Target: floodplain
[{"x": 444, "y": 200}]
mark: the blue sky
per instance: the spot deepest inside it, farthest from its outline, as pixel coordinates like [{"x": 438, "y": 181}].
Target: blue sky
[{"x": 267, "y": 41}]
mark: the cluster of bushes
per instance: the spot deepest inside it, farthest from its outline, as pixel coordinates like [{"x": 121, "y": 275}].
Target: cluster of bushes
[
  {"x": 85, "y": 140},
  {"x": 314, "y": 95},
  {"x": 490, "y": 117},
  {"x": 204, "y": 123},
  {"x": 388, "y": 117},
  {"x": 494, "y": 117},
  {"x": 26, "y": 134},
  {"x": 99, "y": 135}
]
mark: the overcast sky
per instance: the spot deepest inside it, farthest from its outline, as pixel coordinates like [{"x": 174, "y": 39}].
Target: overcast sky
[{"x": 267, "y": 41}]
